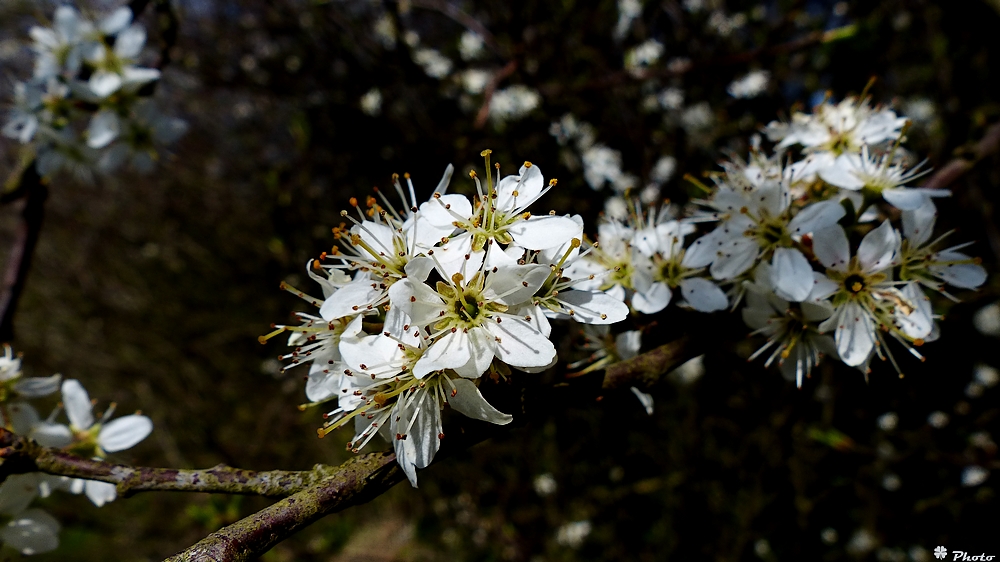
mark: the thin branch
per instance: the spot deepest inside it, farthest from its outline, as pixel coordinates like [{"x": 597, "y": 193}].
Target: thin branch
[
  {"x": 967, "y": 158},
  {"x": 357, "y": 481},
  {"x": 21, "y": 455},
  {"x": 644, "y": 370},
  {"x": 34, "y": 194}
]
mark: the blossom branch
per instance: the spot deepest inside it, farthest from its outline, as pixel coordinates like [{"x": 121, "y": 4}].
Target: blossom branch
[
  {"x": 22, "y": 455},
  {"x": 645, "y": 370},
  {"x": 357, "y": 481}
]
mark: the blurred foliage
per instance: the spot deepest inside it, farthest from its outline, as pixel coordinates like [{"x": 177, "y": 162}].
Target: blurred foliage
[{"x": 152, "y": 290}]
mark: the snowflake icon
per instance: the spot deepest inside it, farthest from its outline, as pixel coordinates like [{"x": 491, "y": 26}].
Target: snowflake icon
[{"x": 940, "y": 552}]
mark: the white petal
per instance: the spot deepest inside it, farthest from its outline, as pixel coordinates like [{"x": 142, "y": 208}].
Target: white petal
[
  {"x": 104, "y": 128},
  {"x": 17, "y": 492},
  {"x": 134, "y": 76},
  {"x": 378, "y": 237},
  {"x": 703, "y": 295},
  {"x": 31, "y": 532},
  {"x": 841, "y": 173},
  {"x": 528, "y": 184},
  {"x": 419, "y": 268},
  {"x": 117, "y": 21},
  {"x": 34, "y": 387},
  {"x": 855, "y": 335},
  {"x": 961, "y": 275},
  {"x": 628, "y": 344},
  {"x": 645, "y": 399},
  {"x": 421, "y": 303},
  {"x": 467, "y": 400},
  {"x": 482, "y": 350},
  {"x": 100, "y": 492},
  {"x": 77, "y": 404},
  {"x": 405, "y": 449},
  {"x": 878, "y": 248},
  {"x": 653, "y": 300},
  {"x": 823, "y": 287},
  {"x": 816, "y": 217},
  {"x": 124, "y": 432},
  {"x": 919, "y": 323},
  {"x": 323, "y": 382},
  {"x": 448, "y": 352},
  {"x": 545, "y": 231},
  {"x": 425, "y": 429},
  {"x": 129, "y": 43},
  {"x": 791, "y": 274},
  {"x": 911, "y": 199},
  {"x": 51, "y": 434},
  {"x": 701, "y": 252},
  {"x": 831, "y": 248},
  {"x": 513, "y": 285},
  {"x": 443, "y": 211},
  {"x": 520, "y": 344},
  {"x": 350, "y": 299},
  {"x": 593, "y": 307},
  {"x": 734, "y": 257},
  {"x": 103, "y": 83},
  {"x": 918, "y": 224}
]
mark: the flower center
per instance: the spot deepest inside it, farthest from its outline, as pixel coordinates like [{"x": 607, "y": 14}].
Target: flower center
[{"x": 854, "y": 284}]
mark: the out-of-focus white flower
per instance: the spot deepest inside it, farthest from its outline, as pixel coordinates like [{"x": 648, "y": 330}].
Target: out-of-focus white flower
[
  {"x": 974, "y": 475},
  {"x": 643, "y": 56},
  {"x": 59, "y": 49},
  {"x": 937, "y": 419},
  {"x": 986, "y": 375},
  {"x": 987, "y": 320},
  {"x": 371, "y": 102},
  {"x": 544, "y": 484},
  {"x": 573, "y": 534},
  {"x": 470, "y": 45},
  {"x": 697, "y": 117},
  {"x": 663, "y": 170},
  {"x": 114, "y": 65},
  {"x": 628, "y": 11},
  {"x": 513, "y": 102},
  {"x": 671, "y": 98},
  {"x": 474, "y": 80},
  {"x": 888, "y": 421},
  {"x": 15, "y": 386},
  {"x": 385, "y": 31},
  {"x": 751, "y": 85},
  {"x": 32, "y": 531},
  {"x": 433, "y": 62}
]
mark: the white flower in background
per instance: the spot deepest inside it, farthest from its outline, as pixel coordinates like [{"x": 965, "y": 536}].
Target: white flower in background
[
  {"x": 974, "y": 475},
  {"x": 31, "y": 531},
  {"x": 545, "y": 484},
  {"x": 628, "y": 11},
  {"x": 470, "y": 45},
  {"x": 643, "y": 56},
  {"x": 513, "y": 103},
  {"x": 114, "y": 65},
  {"x": 601, "y": 165},
  {"x": 663, "y": 170},
  {"x": 987, "y": 320},
  {"x": 751, "y": 85},
  {"x": 474, "y": 80},
  {"x": 573, "y": 534},
  {"x": 23, "y": 120},
  {"x": 371, "y": 102},
  {"x": 59, "y": 49},
  {"x": 13, "y": 385},
  {"x": 97, "y": 438},
  {"x": 698, "y": 117},
  {"x": 671, "y": 98},
  {"x": 433, "y": 62},
  {"x": 138, "y": 137},
  {"x": 385, "y": 31}
]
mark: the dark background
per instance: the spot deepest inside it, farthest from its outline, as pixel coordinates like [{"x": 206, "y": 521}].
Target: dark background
[{"x": 153, "y": 289}]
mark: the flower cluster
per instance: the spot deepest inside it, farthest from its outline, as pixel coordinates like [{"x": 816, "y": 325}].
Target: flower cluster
[
  {"x": 32, "y": 530},
  {"x": 418, "y": 305},
  {"x": 85, "y": 104}
]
